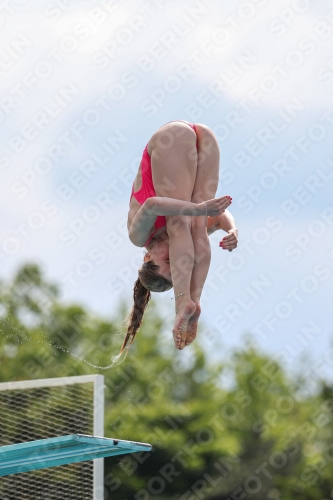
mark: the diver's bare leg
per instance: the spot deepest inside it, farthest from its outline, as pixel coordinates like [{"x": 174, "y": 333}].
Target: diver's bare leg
[{"x": 174, "y": 168}]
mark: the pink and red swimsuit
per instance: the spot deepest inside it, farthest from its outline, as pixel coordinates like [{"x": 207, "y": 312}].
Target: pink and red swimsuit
[{"x": 147, "y": 189}]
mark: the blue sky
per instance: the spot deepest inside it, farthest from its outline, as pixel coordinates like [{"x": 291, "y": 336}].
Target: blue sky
[{"x": 83, "y": 87}]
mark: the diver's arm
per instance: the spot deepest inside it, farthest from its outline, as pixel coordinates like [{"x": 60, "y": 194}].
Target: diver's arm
[
  {"x": 227, "y": 223},
  {"x": 145, "y": 217},
  {"x": 223, "y": 221}
]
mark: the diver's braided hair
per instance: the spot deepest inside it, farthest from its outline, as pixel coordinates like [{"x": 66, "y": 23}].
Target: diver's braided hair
[{"x": 148, "y": 281}]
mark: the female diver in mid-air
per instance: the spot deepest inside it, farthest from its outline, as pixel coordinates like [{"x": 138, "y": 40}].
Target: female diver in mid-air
[{"x": 172, "y": 211}]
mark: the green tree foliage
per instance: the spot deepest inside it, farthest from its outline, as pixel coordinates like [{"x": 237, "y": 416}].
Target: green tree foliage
[{"x": 265, "y": 438}]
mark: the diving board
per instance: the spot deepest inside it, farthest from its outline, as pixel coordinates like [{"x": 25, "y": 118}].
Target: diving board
[{"x": 43, "y": 453}]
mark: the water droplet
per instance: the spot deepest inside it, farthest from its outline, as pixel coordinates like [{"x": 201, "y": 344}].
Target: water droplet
[{"x": 46, "y": 341}]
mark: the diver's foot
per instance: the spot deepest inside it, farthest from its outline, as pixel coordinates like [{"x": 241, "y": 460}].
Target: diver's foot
[
  {"x": 186, "y": 310},
  {"x": 192, "y": 325}
]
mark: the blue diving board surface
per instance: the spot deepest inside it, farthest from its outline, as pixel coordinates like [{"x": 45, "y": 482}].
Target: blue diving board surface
[{"x": 33, "y": 455}]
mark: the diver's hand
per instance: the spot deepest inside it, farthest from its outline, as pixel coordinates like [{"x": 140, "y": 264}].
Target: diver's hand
[
  {"x": 214, "y": 207},
  {"x": 230, "y": 242}
]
